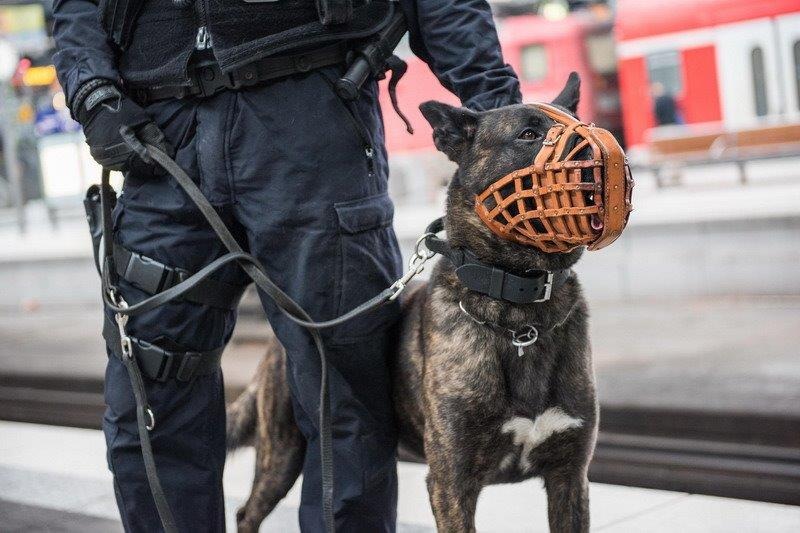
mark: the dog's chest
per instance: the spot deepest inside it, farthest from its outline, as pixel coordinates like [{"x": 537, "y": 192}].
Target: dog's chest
[{"x": 526, "y": 436}]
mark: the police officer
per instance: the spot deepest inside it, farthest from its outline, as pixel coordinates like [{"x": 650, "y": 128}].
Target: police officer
[{"x": 240, "y": 92}]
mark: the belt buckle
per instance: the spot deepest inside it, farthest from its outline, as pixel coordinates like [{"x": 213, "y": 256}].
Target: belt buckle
[
  {"x": 145, "y": 273},
  {"x": 548, "y": 288},
  {"x": 167, "y": 360},
  {"x": 191, "y": 360},
  {"x": 174, "y": 276},
  {"x": 210, "y": 79}
]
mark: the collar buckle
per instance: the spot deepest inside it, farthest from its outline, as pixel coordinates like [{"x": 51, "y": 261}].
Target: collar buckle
[{"x": 548, "y": 288}]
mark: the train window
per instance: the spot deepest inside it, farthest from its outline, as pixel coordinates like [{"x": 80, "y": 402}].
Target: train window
[
  {"x": 602, "y": 53},
  {"x": 534, "y": 62},
  {"x": 759, "y": 80},
  {"x": 665, "y": 68},
  {"x": 797, "y": 71}
]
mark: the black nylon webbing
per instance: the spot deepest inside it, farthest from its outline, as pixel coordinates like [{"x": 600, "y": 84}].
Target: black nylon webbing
[
  {"x": 152, "y": 277},
  {"x": 334, "y": 11}
]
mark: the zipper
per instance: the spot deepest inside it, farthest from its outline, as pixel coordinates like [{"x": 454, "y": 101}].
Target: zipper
[
  {"x": 203, "y": 39},
  {"x": 369, "y": 151},
  {"x": 361, "y": 131},
  {"x": 351, "y": 111}
]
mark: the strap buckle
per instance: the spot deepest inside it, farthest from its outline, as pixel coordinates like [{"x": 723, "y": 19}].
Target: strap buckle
[
  {"x": 209, "y": 79},
  {"x": 548, "y": 289},
  {"x": 558, "y": 129},
  {"x": 145, "y": 273},
  {"x": 189, "y": 365},
  {"x": 167, "y": 360},
  {"x": 150, "y": 275}
]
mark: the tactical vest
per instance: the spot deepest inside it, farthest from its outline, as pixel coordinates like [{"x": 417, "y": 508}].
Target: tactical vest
[{"x": 155, "y": 38}]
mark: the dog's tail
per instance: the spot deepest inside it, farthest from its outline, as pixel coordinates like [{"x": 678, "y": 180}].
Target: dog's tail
[{"x": 241, "y": 415}]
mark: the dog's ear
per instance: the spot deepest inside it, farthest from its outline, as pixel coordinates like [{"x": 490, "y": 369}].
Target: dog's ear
[
  {"x": 453, "y": 127},
  {"x": 570, "y": 95}
]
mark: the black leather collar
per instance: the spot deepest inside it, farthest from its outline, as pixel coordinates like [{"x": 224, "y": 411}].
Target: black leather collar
[{"x": 491, "y": 280}]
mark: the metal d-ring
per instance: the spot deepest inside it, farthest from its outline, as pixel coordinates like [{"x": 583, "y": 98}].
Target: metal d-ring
[
  {"x": 418, "y": 255},
  {"x": 528, "y": 336}
]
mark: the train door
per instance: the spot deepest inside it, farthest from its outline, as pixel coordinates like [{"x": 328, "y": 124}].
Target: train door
[
  {"x": 788, "y": 42},
  {"x": 749, "y": 72}
]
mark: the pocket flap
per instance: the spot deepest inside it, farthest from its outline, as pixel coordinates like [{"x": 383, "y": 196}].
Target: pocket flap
[{"x": 365, "y": 214}]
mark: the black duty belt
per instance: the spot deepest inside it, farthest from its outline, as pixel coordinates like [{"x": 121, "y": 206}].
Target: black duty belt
[{"x": 207, "y": 79}]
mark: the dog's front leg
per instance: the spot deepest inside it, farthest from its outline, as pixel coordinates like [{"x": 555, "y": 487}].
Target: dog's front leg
[
  {"x": 567, "y": 501},
  {"x": 453, "y": 503},
  {"x": 452, "y": 486}
]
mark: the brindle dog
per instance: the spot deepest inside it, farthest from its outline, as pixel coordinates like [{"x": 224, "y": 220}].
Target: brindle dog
[{"x": 466, "y": 401}]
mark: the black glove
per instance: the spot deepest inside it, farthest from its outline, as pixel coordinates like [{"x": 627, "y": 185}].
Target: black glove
[{"x": 103, "y": 112}]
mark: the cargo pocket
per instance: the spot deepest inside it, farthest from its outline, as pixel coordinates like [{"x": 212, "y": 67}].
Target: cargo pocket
[{"x": 370, "y": 262}]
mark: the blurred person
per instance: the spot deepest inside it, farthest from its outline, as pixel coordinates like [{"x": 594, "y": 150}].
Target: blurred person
[
  {"x": 242, "y": 95},
  {"x": 665, "y": 107}
]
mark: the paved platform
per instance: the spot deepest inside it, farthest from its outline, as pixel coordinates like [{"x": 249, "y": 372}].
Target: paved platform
[
  {"x": 720, "y": 354},
  {"x": 70, "y": 491}
]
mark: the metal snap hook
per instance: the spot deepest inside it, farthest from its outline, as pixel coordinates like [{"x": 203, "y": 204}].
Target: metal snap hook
[{"x": 152, "y": 424}]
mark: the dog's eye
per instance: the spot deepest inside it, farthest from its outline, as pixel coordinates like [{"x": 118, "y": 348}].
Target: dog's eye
[{"x": 528, "y": 134}]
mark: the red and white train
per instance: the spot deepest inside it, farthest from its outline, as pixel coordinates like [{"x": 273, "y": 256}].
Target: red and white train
[
  {"x": 543, "y": 52},
  {"x": 731, "y": 64}
]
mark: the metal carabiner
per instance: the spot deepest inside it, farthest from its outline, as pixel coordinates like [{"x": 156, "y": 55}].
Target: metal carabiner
[
  {"x": 416, "y": 265},
  {"x": 122, "y": 321}
]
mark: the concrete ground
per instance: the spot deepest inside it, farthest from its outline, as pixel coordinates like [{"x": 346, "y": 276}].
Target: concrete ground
[
  {"x": 723, "y": 354},
  {"x": 71, "y": 492}
]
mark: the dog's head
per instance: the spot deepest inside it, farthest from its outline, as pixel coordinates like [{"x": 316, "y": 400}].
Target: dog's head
[{"x": 487, "y": 146}]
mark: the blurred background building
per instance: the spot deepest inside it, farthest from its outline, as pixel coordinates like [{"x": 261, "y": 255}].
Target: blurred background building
[{"x": 696, "y": 309}]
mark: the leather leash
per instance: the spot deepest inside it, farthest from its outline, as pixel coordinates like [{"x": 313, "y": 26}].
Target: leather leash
[
  {"x": 114, "y": 301},
  {"x": 536, "y": 289}
]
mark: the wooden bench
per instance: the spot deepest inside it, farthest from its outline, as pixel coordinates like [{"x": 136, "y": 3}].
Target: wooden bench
[{"x": 674, "y": 148}]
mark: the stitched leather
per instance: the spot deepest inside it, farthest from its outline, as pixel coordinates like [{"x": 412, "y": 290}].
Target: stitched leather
[{"x": 551, "y": 205}]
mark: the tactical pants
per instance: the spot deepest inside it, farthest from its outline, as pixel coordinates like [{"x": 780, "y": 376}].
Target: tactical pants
[{"x": 302, "y": 181}]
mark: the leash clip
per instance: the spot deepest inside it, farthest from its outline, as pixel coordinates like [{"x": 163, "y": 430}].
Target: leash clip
[
  {"x": 415, "y": 266},
  {"x": 122, "y": 321}
]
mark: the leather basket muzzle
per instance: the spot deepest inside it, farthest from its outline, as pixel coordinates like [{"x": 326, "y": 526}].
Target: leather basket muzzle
[{"x": 576, "y": 193}]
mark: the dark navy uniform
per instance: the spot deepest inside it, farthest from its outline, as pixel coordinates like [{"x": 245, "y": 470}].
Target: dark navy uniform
[{"x": 301, "y": 178}]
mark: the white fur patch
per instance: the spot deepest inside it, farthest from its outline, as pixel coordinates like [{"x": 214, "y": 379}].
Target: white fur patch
[{"x": 531, "y": 433}]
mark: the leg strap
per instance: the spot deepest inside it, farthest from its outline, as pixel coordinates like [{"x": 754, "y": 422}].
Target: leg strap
[
  {"x": 153, "y": 277},
  {"x": 160, "y": 364}
]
